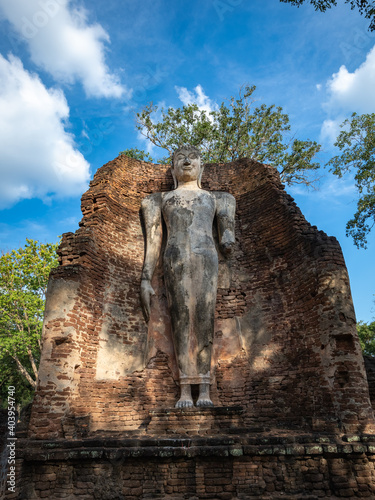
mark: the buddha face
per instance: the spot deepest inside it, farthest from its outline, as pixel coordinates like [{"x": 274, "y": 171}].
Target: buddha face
[{"x": 186, "y": 165}]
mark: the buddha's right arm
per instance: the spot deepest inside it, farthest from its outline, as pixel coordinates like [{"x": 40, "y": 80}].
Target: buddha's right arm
[{"x": 151, "y": 213}]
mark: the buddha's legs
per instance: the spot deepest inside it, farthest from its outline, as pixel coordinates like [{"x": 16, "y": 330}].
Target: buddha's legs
[
  {"x": 192, "y": 298},
  {"x": 204, "y": 326}
]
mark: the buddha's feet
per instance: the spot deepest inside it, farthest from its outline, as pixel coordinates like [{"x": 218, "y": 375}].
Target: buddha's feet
[
  {"x": 204, "y": 396},
  {"x": 184, "y": 403},
  {"x": 204, "y": 402}
]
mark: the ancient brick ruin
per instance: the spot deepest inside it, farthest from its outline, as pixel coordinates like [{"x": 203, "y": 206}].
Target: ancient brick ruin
[{"x": 292, "y": 411}]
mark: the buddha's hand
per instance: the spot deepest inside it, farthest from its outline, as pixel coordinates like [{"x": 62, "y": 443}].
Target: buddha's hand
[
  {"x": 227, "y": 243},
  {"x": 146, "y": 293},
  {"x": 227, "y": 248}
]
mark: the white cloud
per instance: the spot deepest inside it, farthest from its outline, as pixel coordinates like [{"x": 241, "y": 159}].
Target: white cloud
[
  {"x": 348, "y": 93},
  {"x": 62, "y": 42},
  {"x": 336, "y": 191},
  {"x": 37, "y": 156},
  {"x": 330, "y": 130},
  {"x": 199, "y": 98},
  {"x": 351, "y": 92}
]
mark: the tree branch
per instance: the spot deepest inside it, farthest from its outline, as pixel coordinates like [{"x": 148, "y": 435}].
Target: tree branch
[
  {"x": 32, "y": 362},
  {"x": 23, "y": 371}
]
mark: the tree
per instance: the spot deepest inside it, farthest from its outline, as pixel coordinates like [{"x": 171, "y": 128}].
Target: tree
[
  {"x": 23, "y": 283},
  {"x": 138, "y": 154},
  {"x": 365, "y": 7},
  {"x": 234, "y": 130},
  {"x": 357, "y": 143},
  {"x": 366, "y": 334}
]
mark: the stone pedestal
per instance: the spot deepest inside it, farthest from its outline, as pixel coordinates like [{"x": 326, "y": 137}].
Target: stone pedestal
[{"x": 195, "y": 421}]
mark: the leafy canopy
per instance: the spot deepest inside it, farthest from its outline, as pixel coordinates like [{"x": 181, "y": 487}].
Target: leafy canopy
[
  {"x": 357, "y": 145},
  {"x": 366, "y": 334},
  {"x": 236, "y": 129},
  {"x": 137, "y": 154},
  {"x": 23, "y": 283},
  {"x": 365, "y": 7}
]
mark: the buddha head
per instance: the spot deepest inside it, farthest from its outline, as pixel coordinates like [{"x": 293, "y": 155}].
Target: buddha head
[{"x": 187, "y": 165}]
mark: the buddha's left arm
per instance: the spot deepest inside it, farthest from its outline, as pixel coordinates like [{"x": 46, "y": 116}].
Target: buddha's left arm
[{"x": 225, "y": 213}]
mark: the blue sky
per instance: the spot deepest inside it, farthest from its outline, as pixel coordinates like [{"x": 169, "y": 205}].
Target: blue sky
[{"x": 73, "y": 73}]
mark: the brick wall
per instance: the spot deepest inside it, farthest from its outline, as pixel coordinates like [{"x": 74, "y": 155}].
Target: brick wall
[
  {"x": 286, "y": 348},
  {"x": 297, "y": 467}
]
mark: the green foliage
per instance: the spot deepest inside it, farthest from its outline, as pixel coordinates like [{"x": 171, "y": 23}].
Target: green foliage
[
  {"x": 365, "y": 7},
  {"x": 357, "y": 145},
  {"x": 137, "y": 154},
  {"x": 23, "y": 282},
  {"x": 11, "y": 376},
  {"x": 366, "y": 334},
  {"x": 237, "y": 129}
]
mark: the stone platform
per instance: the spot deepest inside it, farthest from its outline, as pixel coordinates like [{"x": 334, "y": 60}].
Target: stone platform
[{"x": 263, "y": 465}]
